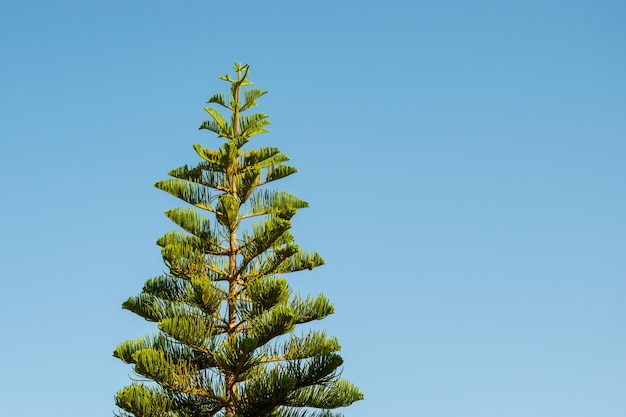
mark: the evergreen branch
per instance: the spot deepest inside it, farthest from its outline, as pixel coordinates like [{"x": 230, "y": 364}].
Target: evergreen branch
[
  {"x": 221, "y": 319},
  {"x": 142, "y": 401},
  {"x": 153, "y": 308},
  {"x": 250, "y": 97},
  {"x": 265, "y": 235},
  {"x": 274, "y": 322},
  {"x": 205, "y": 173},
  {"x": 199, "y": 226},
  {"x": 263, "y": 157},
  {"x": 247, "y": 181},
  {"x": 253, "y": 124},
  {"x": 278, "y": 203},
  {"x": 192, "y": 193},
  {"x": 285, "y": 381},
  {"x": 191, "y": 330},
  {"x": 278, "y": 172},
  {"x": 218, "y": 125},
  {"x": 196, "y": 406},
  {"x": 168, "y": 288},
  {"x": 206, "y": 295},
  {"x": 186, "y": 255},
  {"x": 300, "y": 262},
  {"x": 285, "y": 411},
  {"x": 340, "y": 393},
  {"x": 315, "y": 343},
  {"x": 263, "y": 294},
  {"x": 126, "y": 350},
  {"x": 171, "y": 372},
  {"x": 217, "y": 271},
  {"x": 264, "y": 393},
  {"x": 211, "y": 157},
  {"x": 213, "y": 127},
  {"x": 271, "y": 264},
  {"x": 312, "y": 309},
  {"x": 314, "y": 371},
  {"x": 219, "y": 98},
  {"x": 234, "y": 355},
  {"x": 227, "y": 210}
]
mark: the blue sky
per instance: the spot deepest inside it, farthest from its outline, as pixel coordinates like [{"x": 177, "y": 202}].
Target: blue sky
[{"x": 464, "y": 162}]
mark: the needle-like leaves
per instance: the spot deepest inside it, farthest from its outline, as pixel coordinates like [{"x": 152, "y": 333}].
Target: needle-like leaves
[{"x": 225, "y": 315}]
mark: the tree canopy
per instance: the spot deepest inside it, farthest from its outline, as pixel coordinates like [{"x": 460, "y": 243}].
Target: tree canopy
[{"x": 225, "y": 313}]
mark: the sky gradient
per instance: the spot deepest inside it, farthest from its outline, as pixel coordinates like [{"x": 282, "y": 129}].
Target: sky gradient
[{"x": 464, "y": 163}]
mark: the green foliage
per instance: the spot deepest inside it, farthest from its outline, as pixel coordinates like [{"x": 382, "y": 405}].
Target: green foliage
[{"x": 225, "y": 314}]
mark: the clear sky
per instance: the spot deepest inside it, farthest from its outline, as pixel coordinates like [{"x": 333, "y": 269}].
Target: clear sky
[{"x": 464, "y": 162}]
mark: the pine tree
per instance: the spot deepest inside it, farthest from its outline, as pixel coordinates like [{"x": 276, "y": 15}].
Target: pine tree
[{"x": 226, "y": 344}]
